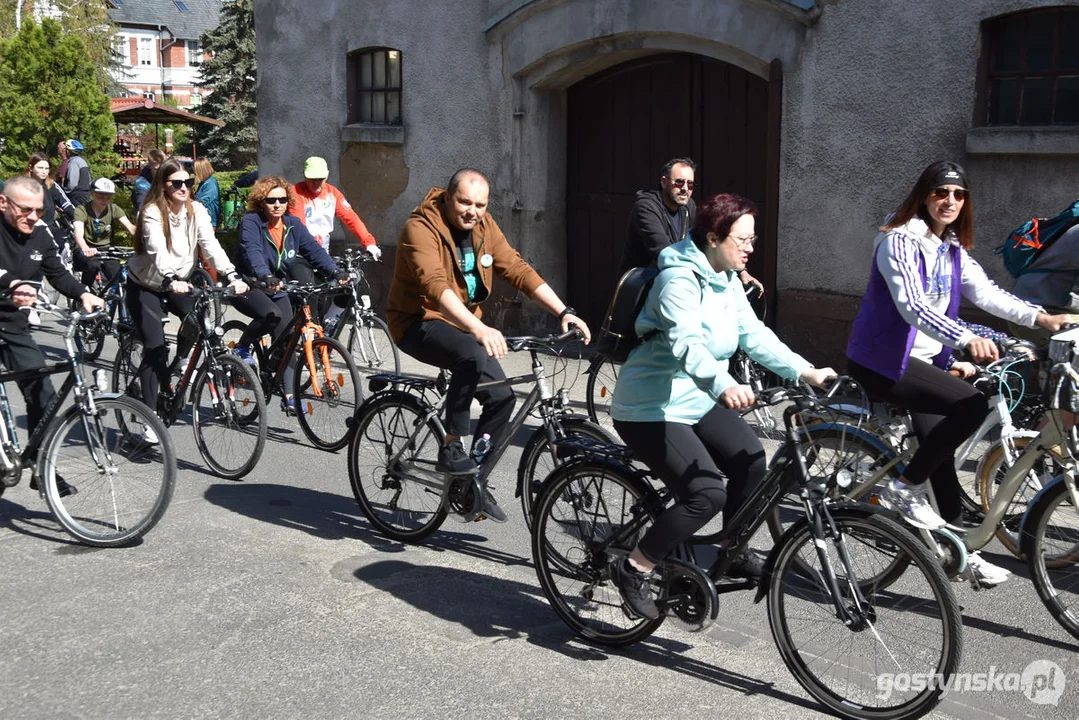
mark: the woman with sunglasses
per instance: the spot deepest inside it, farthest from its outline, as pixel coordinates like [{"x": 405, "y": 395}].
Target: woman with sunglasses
[
  {"x": 170, "y": 231},
  {"x": 275, "y": 245},
  {"x": 901, "y": 344}
]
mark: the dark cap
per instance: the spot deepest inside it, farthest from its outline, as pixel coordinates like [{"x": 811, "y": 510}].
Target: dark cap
[{"x": 950, "y": 176}]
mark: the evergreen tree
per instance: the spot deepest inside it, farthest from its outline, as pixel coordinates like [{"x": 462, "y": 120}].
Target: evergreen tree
[
  {"x": 228, "y": 77},
  {"x": 49, "y": 91}
]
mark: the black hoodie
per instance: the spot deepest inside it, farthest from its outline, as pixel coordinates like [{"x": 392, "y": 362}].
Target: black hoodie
[
  {"x": 26, "y": 257},
  {"x": 650, "y": 229}
]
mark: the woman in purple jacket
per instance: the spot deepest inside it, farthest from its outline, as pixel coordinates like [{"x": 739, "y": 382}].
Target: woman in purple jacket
[{"x": 901, "y": 344}]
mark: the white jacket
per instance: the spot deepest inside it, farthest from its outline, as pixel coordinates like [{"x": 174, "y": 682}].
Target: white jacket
[{"x": 156, "y": 262}]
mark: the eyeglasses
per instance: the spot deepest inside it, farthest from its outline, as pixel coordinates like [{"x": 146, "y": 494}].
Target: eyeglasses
[
  {"x": 943, "y": 193},
  {"x": 23, "y": 210},
  {"x": 682, "y": 181},
  {"x": 276, "y": 200},
  {"x": 745, "y": 243},
  {"x": 177, "y": 184}
]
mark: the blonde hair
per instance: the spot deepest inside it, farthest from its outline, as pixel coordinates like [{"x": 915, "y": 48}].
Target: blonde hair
[{"x": 203, "y": 170}]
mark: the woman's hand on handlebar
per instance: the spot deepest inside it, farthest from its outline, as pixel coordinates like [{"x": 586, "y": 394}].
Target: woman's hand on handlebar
[
  {"x": 180, "y": 286},
  {"x": 819, "y": 377},
  {"x": 963, "y": 370},
  {"x": 738, "y": 397},
  {"x": 569, "y": 320},
  {"x": 1053, "y": 323},
  {"x": 983, "y": 350},
  {"x": 239, "y": 286}
]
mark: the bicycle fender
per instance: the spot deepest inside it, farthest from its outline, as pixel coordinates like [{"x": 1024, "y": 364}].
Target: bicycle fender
[
  {"x": 1059, "y": 479},
  {"x": 868, "y": 437}
]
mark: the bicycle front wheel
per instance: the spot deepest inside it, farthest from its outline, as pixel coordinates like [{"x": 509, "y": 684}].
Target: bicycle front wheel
[
  {"x": 124, "y": 483},
  {"x": 327, "y": 394},
  {"x": 1051, "y": 544},
  {"x": 228, "y": 415},
  {"x": 602, "y": 377},
  {"x": 911, "y": 629},
  {"x": 390, "y": 455},
  {"x": 583, "y": 506},
  {"x": 370, "y": 346},
  {"x": 91, "y": 338},
  {"x": 538, "y": 460}
]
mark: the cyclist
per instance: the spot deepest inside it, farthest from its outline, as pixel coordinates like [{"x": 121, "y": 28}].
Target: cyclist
[
  {"x": 27, "y": 251},
  {"x": 664, "y": 216},
  {"x": 96, "y": 223},
  {"x": 171, "y": 229},
  {"x": 39, "y": 168},
  {"x": 676, "y": 404},
  {"x": 317, "y": 203},
  {"x": 77, "y": 177},
  {"x": 274, "y": 246},
  {"x": 447, "y": 256},
  {"x": 901, "y": 343}
]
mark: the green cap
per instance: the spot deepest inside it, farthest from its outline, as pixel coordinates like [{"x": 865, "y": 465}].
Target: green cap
[{"x": 316, "y": 169}]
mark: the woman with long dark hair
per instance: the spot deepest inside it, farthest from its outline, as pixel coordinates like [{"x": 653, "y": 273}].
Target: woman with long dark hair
[{"x": 901, "y": 345}]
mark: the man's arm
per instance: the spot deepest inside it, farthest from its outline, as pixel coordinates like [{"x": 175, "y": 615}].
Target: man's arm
[
  {"x": 350, "y": 219},
  {"x": 648, "y": 230}
]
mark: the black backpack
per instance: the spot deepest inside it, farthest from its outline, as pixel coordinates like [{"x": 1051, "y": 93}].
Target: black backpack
[{"x": 617, "y": 336}]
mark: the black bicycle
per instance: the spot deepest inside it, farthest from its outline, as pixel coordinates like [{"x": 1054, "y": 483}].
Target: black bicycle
[
  {"x": 116, "y": 320},
  {"x": 228, "y": 409},
  {"x": 122, "y": 483},
  {"x": 837, "y": 629}
]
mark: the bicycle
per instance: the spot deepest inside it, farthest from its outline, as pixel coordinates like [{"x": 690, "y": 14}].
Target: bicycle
[
  {"x": 392, "y": 456},
  {"x": 116, "y": 320},
  {"x": 228, "y": 410},
  {"x": 837, "y": 629},
  {"x": 363, "y": 333},
  {"x": 124, "y": 485},
  {"x": 326, "y": 386}
]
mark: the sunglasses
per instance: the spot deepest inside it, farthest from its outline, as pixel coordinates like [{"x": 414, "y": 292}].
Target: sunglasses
[
  {"x": 177, "y": 184},
  {"x": 276, "y": 200},
  {"x": 23, "y": 209},
  {"x": 943, "y": 193},
  {"x": 682, "y": 181}
]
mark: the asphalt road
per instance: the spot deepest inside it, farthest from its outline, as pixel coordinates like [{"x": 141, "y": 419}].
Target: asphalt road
[{"x": 273, "y": 597}]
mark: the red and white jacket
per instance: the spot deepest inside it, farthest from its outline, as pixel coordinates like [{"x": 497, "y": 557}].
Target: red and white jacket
[{"x": 318, "y": 211}]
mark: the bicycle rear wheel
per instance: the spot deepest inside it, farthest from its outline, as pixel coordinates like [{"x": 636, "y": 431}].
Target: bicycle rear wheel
[
  {"x": 908, "y": 630},
  {"x": 1051, "y": 544},
  {"x": 602, "y": 377},
  {"x": 228, "y": 415},
  {"x": 381, "y": 457},
  {"x": 582, "y": 505},
  {"x": 327, "y": 399},
  {"x": 370, "y": 346},
  {"x": 538, "y": 461},
  {"x": 124, "y": 484}
]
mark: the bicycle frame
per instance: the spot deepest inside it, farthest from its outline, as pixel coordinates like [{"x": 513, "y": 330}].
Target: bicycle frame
[{"x": 302, "y": 325}]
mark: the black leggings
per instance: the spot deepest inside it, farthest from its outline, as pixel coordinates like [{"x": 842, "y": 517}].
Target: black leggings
[
  {"x": 148, "y": 309},
  {"x": 438, "y": 343},
  {"x": 692, "y": 461},
  {"x": 946, "y": 411}
]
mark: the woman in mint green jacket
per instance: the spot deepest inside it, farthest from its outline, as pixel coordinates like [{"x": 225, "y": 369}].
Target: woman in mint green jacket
[{"x": 676, "y": 403}]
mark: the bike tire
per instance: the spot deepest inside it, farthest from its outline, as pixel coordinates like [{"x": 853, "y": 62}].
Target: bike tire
[
  {"x": 327, "y": 421},
  {"x": 1050, "y": 541},
  {"x": 228, "y": 416},
  {"x": 599, "y": 390},
  {"x": 922, "y": 612},
  {"x": 101, "y": 513},
  {"x": 582, "y": 504},
  {"x": 383, "y": 428},
  {"x": 91, "y": 338},
  {"x": 538, "y": 461}
]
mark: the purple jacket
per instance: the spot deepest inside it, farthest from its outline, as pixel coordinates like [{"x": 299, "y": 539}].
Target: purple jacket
[{"x": 881, "y": 339}]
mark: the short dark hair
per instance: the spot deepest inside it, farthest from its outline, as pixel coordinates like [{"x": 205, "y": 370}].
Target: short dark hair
[
  {"x": 718, "y": 213},
  {"x": 669, "y": 165},
  {"x": 458, "y": 177}
]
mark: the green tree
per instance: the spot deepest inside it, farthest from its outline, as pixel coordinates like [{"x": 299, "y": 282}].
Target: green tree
[
  {"x": 227, "y": 79},
  {"x": 49, "y": 92}
]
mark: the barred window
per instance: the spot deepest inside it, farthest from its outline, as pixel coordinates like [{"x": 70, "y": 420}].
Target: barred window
[
  {"x": 1031, "y": 68},
  {"x": 374, "y": 86}
]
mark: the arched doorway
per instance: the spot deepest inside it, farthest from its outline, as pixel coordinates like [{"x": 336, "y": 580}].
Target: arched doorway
[{"x": 625, "y": 122}]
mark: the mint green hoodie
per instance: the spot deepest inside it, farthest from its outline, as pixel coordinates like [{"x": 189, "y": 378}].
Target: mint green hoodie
[{"x": 703, "y": 317}]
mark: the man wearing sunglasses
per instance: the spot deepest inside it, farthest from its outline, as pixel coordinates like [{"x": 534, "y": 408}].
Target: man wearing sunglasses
[
  {"x": 27, "y": 252},
  {"x": 664, "y": 216},
  {"x": 96, "y": 225}
]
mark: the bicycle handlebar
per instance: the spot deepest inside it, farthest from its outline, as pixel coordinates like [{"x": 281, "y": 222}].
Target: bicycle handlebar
[{"x": 523, "y": 342}]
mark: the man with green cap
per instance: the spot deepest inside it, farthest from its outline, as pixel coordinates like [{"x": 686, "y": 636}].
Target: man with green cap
[{"x": 318, "y": 203}]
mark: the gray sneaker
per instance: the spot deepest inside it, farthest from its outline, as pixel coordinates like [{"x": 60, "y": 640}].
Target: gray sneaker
[{"x": 912, "y": 502}]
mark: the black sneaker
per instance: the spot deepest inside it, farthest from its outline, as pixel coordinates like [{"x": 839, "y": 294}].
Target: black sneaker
[
  {"x": 746, "y": 564},
  {"x": 635, "y": 587},
  {"x": 491, "y": 508},
  {"x": 453, "y": 459},
  {"x": 66, "y": 489}
]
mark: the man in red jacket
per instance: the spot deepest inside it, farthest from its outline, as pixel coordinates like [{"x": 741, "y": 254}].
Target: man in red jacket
[{"x": 318, "y": 203}]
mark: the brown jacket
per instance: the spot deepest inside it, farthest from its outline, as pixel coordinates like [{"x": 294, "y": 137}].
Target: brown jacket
[{"x": 427, "y": 265}]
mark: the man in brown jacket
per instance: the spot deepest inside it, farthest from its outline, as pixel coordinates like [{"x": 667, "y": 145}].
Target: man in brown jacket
[{"x": 447, "y": 256}]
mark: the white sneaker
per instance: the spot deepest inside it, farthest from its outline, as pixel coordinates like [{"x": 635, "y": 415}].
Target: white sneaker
[
  {"x": 148, "y": 436},
  {"x": 986, "y": 573},
  {"x": 912, "y": 502}
]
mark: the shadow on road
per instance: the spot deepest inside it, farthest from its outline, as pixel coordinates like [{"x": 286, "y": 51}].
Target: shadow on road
[
  {"x": 37, "y": 524},
  {"x": 514, "y": 610}
]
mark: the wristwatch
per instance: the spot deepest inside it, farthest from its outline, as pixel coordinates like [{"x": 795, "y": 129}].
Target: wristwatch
[{"x": 566, "y": 311}]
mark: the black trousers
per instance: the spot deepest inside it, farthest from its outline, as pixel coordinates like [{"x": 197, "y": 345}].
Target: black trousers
[
  {"x": 91, "y": 266},
  {"x": 270, "y": 315},
  {"x": 946, "y": 411},
  {"x": 692, "y": 461},
  {"x": 148, "y": 309},
  {"x": 19, "y": 351},
  {"x": 438, "y": 343}
]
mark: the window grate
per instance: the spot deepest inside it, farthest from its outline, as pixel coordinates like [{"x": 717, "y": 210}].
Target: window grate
[{"x": 375, "y": 86}]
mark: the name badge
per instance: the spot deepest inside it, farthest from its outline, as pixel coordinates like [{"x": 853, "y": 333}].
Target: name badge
[{"x": 486, "y": 260}]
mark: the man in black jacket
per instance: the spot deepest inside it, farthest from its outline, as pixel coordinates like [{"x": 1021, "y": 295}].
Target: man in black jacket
[
  {"x": 26, "y": 251},
  {"x": 663, "y": 217}
]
